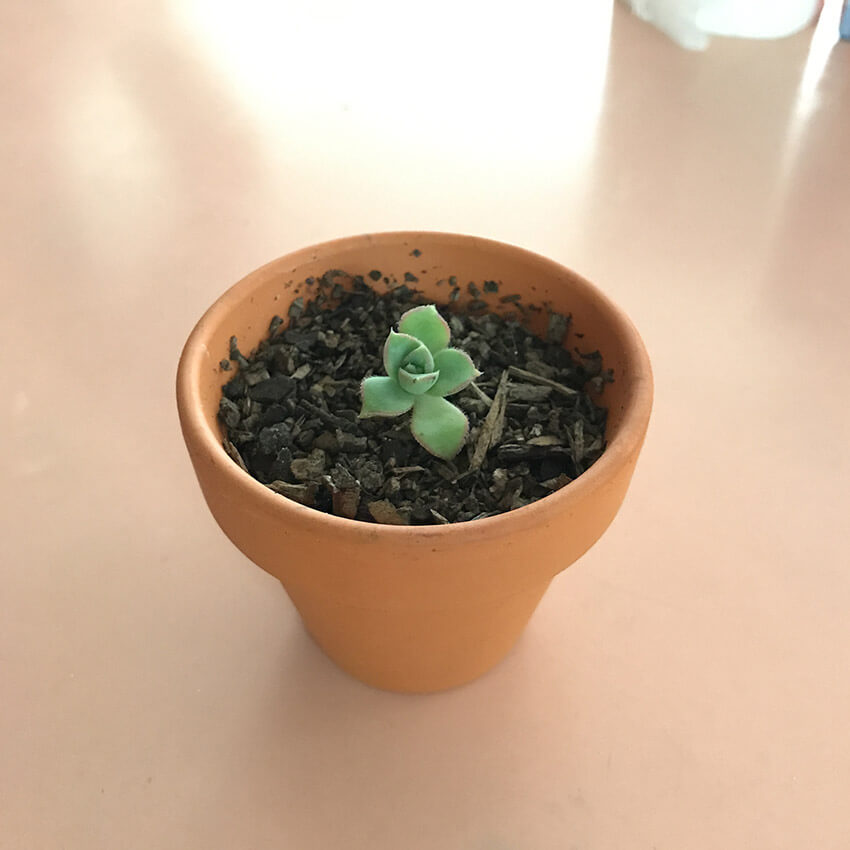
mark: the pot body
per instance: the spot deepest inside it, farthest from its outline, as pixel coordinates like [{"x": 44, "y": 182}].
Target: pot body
[{"x": 415, "y": 609}]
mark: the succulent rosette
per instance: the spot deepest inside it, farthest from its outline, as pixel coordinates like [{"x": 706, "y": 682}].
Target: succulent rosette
[{"x": 421, "y": 371}]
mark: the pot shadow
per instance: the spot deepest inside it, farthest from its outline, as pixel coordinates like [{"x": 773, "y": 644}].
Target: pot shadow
[{"x": 446, "y": 769}]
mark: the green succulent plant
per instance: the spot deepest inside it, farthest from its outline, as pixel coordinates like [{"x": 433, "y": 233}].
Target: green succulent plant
[{"x": 421, "y": 371}]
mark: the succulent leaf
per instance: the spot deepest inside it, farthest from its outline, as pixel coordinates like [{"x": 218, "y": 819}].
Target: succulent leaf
[
  {"x": 382, "y": 396},
  {"x": 456, "y": 371},
  {"x": 419, "y": 361},
  {"x": 427, "y": 325},
  {"x": 396, "y": 349},
  {"x": 438, "y": 426},
  {"x": 416, "y": 383}
]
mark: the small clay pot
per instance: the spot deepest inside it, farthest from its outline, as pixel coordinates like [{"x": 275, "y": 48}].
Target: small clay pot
[{"x": 416, "y": 608}]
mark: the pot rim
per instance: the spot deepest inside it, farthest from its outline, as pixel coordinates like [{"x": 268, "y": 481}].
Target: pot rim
[{"x": 620, "y": 449}]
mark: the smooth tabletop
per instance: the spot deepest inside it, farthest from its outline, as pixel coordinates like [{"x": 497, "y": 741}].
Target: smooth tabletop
[{"x": 686, "y": 684}]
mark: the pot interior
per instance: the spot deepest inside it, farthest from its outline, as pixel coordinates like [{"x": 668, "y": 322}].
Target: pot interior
[{"x": 247, "y": 308}]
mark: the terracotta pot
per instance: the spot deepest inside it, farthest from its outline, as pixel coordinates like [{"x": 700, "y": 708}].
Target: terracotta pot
[{"x": 415, "y": 609}]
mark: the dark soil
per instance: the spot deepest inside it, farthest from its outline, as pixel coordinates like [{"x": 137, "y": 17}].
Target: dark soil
[{"x": 289, "y": 413}]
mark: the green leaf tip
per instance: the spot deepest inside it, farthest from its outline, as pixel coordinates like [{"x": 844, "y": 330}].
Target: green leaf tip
[
  {"x": 417, "y": 383},
  {"x": 427, "y": 325}
]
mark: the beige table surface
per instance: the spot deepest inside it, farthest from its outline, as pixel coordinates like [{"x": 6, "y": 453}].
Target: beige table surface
[{"x": 685, "y": 685}]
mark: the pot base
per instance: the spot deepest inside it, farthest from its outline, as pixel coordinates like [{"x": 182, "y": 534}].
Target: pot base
[{"x": 419, "y": 652}]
